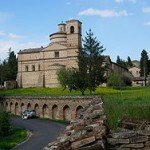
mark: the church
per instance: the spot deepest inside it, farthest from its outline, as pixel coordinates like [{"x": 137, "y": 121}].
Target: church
[{"x": 37, "y": 67}]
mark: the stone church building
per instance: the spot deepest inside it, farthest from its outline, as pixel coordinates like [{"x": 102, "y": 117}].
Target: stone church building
[{"x": 37, "y": 67}]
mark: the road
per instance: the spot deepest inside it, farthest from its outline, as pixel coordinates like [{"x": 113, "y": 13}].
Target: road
[{"x": 43, "y": 132}]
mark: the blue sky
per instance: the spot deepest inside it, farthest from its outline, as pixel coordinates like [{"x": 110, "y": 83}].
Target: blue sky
[{"x": 122, "y": 26}]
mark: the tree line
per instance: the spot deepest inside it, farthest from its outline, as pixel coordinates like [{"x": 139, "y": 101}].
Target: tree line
[{"x": 8, "y": 68}]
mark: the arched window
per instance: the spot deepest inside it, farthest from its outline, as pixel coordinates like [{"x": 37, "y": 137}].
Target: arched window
[
  {"x": 72, "y": 29},
  {"x": 33, "y": 68}
]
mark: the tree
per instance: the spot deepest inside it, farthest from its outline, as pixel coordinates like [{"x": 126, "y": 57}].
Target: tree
[
  {"x": 8, "y": 68},
  {"x": 144, "y": 64},
  {"x": 92, "y": 51},
  {"x": 121, "y": 62},
  {"x": 114, "y": 80},
  {"x": 129, "y": 62},
  {"x": 90, "y": 72}
]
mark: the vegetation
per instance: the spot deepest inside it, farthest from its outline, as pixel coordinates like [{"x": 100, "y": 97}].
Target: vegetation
[
  {"x": 144, "y": 64},
  {"x": 133, "y": 103},
  {"x": 8, "y": 68},
  {"x": 91, "y": 71},
  {"x": 124, "y": 63},
  {"x": 16, "y": 136},
  {"x": 4, "y": 123}
]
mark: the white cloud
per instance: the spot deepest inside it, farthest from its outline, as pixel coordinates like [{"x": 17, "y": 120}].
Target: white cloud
[
  {"x": 147, "y": 23},
  {"x": 14, "y": 36},
  {"x": 146, "y": 10},
  {"x": 16, "y": 46},
  {"x": 103, "y": 13},
  {"x": 121, "y": 1}
]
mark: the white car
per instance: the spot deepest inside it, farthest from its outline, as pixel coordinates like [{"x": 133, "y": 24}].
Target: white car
[{"x": 28, "y": 114}]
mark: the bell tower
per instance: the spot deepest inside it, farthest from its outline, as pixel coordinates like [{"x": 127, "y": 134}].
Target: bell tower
[{"x": 74, "y": 33}]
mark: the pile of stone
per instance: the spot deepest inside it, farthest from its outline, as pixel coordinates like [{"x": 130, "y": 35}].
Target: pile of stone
[
  {"x": 132, "y": 136},
  {"x": 87, "y": 132}
]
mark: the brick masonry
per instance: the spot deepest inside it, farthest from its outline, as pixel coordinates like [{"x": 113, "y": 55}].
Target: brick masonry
[{"x": 62, "y": 108}]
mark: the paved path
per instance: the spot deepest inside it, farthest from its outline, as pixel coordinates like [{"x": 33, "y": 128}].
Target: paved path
[{"x": 43, "y": 132}]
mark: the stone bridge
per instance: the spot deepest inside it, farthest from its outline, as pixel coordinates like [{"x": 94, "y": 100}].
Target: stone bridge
[{"x": 62, "y": 108}]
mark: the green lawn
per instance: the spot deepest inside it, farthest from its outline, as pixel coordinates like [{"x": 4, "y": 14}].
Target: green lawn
[
  {"x": 16, "y": 136},
  {"x": 133, "y": 103}
]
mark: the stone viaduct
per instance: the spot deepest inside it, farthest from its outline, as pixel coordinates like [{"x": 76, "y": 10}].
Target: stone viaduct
[{"x": 61, "y": 108}]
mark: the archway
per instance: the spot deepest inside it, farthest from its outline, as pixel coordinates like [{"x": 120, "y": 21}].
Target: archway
[
  {"x": 29, "y": 106},
  {"x": 16, "y": 108},
  {"x": 36, "y": 108},
  {"x": 78, "y": 110},
  {"x": 55, "y": 112},
  {"x": 66, "y": 113},
  {"x": 11, "y": 104},
  {"x": 45, "y": 111},
  {"x": 22, "y": 107},
  {"x": 6, "y": 106}
]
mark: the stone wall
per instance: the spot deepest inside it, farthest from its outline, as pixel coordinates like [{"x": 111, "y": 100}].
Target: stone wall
[
  {"x": 131, "y": 136},
  {"x": 87, "y": 132},
  {"x": 62, "y": 108}
]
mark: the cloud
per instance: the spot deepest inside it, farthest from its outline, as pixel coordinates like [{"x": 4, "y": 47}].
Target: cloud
[
  {"x": 103, "y": 13},
  {"x": 121, "y": 1},
  {"x": 16, "y": 46},
  {"x": 14, "y": 36},
  {"x": 147, "y": 23},
  {"x": 146, "y": 10}
]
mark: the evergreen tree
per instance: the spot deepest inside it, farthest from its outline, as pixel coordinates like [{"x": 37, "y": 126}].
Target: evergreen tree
[
  {"x": 129, "y": 62},
  {"x": 8, "y": 68},
  {"x": 118, "y": 61},
  {"x": 92, "y": 51},
  {"x": 121, "y": 62},
  {"x": 144, "y": 64}
]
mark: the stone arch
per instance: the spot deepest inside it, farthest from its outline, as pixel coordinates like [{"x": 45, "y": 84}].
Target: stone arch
[
  {"x": 11, "y": 104},
  {"x": 6, "y": 106},
  {"x": 16, "y": 108},
  {"x": 78, "y": 110},
  {"x": 66, "y": 113},
  {"x": 72, "y": 29},
  {"x": 22, "y": 107},
  {"x": 29, "y": 106},
  {"x": 45, "y": 111},
  {"x": 55, "y": 112},
  {"x": 36, "y": 108}
]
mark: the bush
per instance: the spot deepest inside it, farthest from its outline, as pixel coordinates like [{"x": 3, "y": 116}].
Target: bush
[
  {"x": 4, "y": 123},
  {"x": 114, "y": 81}
]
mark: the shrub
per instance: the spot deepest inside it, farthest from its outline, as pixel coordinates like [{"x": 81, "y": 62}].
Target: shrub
[
  {"x": 4, "y": 123},
  {"x": 114, "y": 81}
]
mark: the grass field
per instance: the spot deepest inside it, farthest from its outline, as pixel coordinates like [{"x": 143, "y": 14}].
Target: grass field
[
  {"x": 132, "y": 103},
  {"x": 16, "y": 136}
]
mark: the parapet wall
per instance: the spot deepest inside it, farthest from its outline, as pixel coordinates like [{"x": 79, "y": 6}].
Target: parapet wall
[{"x": 62, "y": 108}]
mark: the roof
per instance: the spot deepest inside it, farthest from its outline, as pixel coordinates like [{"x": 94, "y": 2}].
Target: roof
[
  {"x": 59, "y": 32},
  {"x": 31, "y": 50}
]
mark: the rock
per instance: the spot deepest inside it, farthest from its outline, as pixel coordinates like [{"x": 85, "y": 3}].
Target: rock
[
  {"x": 138, "y": 145},
  {"x": 147, "y": 144},
  {"x": 143, "y": 132},
  {"x": 113, "y": 141},
  {"x": 124, "y": 135},
  {"x": 82, "y": 142},
  {"x": 139, "y": 139}
]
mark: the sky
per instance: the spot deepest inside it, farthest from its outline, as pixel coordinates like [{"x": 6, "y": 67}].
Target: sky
[{"x": 122, "y": 26}]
